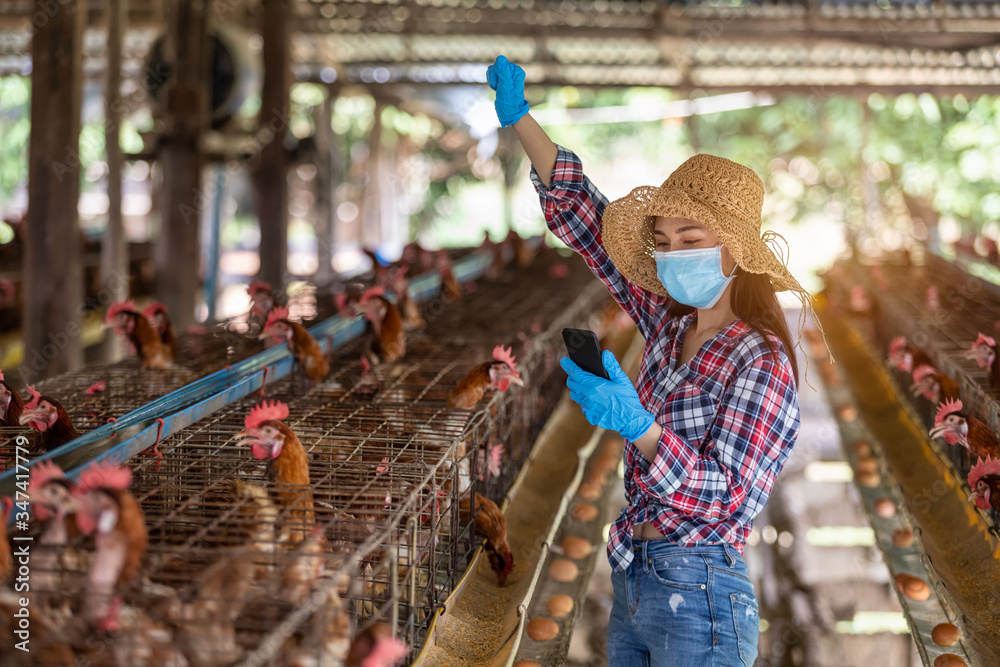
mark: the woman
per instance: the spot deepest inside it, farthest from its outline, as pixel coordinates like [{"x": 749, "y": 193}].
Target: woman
[{"x": 716, "y": 412}]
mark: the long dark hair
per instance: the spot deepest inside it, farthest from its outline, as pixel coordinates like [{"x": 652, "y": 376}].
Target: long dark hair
[{"x": 754, "y": 301}]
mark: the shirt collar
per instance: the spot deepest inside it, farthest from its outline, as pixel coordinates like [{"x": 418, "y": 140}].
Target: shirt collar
[{"x": 733, "y": 330}]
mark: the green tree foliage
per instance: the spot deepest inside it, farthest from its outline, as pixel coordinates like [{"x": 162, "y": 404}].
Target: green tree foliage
[
  {"x": 947, "y": 151},
  {"x": 15, "y": 93}
]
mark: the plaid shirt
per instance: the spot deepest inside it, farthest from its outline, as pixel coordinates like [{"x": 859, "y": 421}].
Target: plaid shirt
[{"x": 730, "y": 415}]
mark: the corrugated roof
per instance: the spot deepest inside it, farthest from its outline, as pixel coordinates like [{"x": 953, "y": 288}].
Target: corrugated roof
[{"x": 698, "y": 43}]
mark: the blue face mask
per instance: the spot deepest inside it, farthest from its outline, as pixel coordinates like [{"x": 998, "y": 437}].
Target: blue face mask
[{"x": 693, "y": 277}]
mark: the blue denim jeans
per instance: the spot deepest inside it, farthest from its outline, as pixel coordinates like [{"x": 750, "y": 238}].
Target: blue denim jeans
[{"x": 681, "y": 606}]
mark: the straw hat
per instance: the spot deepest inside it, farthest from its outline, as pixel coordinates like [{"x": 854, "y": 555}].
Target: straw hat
[
  {"x": 721, "y": 194},
  {"x": 724, "y": 196}
]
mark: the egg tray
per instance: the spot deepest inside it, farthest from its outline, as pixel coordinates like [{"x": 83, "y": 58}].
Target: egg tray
[
  {"x": 922, "y": 616},
  {"x": 554, "y": 651}
]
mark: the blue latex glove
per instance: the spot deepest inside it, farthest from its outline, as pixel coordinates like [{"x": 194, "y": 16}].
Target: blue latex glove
[
  {"x": 508, "y": 80},
  {"x": 612, "y": 404}
]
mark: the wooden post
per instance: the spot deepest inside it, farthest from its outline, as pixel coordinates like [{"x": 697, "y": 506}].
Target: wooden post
[
  {"x": 375, "y": 196},
  {"x": 53, "y": 281},
  {"x": 114, "y": 249},
  {"x": 177, "y": 249},
  {"x": 270, "y": 169},
  {"x": 328, "y": 170}
]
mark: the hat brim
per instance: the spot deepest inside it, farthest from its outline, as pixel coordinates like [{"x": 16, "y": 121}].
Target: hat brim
[{"x": 627, "y": 233}]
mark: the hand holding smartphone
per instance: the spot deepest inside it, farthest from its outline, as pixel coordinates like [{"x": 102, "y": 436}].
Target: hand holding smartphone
[{"x": 585, "y": 351}]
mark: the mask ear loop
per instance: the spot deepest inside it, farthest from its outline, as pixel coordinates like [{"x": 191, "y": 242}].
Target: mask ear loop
[{"x": 737, "y": 264}]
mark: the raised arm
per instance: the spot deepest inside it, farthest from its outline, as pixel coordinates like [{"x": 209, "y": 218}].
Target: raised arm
[
  {"x": 573, "y": 207},
  {"x": 539, "y": 148}
]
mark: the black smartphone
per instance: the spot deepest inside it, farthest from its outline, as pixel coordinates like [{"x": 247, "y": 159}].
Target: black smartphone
[{"x": 585, "y": 351}]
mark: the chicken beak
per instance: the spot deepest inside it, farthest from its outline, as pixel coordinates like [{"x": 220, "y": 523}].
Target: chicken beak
[
  {"x": 516, "y": 379},
  {"x": 972, "y": 497},
  {"x": 242, "y": 437},
  {"x": 27, "y": 417},
  {"x": 937, "y": 431}
]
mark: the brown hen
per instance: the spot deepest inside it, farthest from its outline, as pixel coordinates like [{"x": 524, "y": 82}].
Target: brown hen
[
  {"x": 490, "y": 523},
  {"x": 271, "y": 440},
  {"x": 496, "y": 374},
  {"x": 301, "y": 344}
]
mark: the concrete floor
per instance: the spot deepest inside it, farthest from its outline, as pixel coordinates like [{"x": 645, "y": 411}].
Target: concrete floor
[{"x": 804, "y": 590}]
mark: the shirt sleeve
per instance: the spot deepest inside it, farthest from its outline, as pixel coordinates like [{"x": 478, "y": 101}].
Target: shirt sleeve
[
  {"x": 752, "y": 434},
  {"x": 573, "y": 209}
]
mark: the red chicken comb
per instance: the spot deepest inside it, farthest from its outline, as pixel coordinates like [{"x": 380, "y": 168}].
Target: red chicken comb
[
  {"x": 152, "y": 309},
  {"x": 119, "y": 307},
  {"x": 946, "y": 408},
  {"x": 501, "y": 353},
  {"x": 387, "y": 651},
  {"x": 372, "y": 292},
  {"x": 1, "y": 375},
  {"x": 897, "y": 344},
  {"x": 33, "y": 403},
  {"x": 258, "y": 286},
  {"x": 103, "y": 476},
  {"x": 277, "y": 313},
  {"x": 97, "y": 387},
  {"x": 41, "y": 474},
  {"x": 982, "y": 468},
  {"x": 983, "y": 339},
  {"x": 263, "y": 412},
  {"x": 921, "y": 372}
]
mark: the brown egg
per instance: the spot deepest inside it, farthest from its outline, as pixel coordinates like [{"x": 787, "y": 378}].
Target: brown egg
[
  {"x": 596, "y": 479},
  {"x": 612, "y": 446},
  {"x": 576, "y": 547},
  {"x": 866, "y": 465},
  {"x": 589, "y": 490},
  {"x": 862, "y": 448},
  {"x": 605, "y": 463},
  {"x": 563, "y": 570},
  {"x": 847, "y": 413},
  {"x": 869, "y": 479},
  {"x": 913, "y": 587},
  {"x": 902, "y": 537},
  {"x": 542, "y": 629},
  {"x": 527, "y": 663},
  {"x": 945, "y": 634},
  {"x": 885, "y": 508},
  {"x": 584, "y": 512},
  {"x": 948, "y": 660},
  {"x": 560, "y": 605}
]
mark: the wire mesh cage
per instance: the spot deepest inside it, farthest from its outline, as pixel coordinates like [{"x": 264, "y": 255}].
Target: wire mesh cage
[
  {"x": 251, "y": 562},
  {"x": 100, "y": 393}
]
